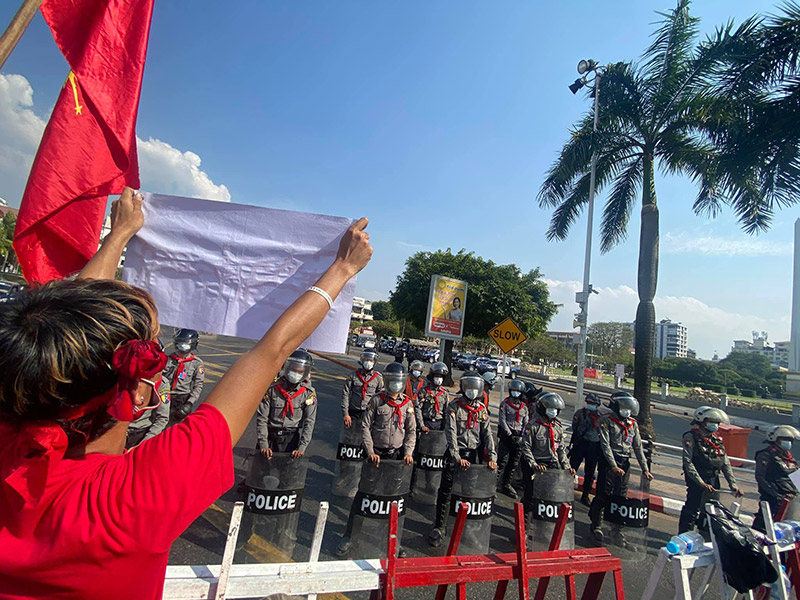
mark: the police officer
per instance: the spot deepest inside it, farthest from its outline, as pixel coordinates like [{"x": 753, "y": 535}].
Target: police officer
[
  {"x": 184, "y": 375},
  {"x": 530, "y": 394},
  {"x": 469, "y": 440},
  {"x": 489, "y": 379},
  {"x": 619, "y": 436},
  {"x": 774, "y": 464},
  {"x": 286, "y": 416},
  {"x": 150, "y": 423},
  {"x": 432, "y": 400},
  {"x": 389, "y": 431},
  {"x": 360, "y": 386},
  {"x": 704, "y": 458},
  {"x": 512, "y": 421},
  {"x": 585, "y": 442},
  {"x": 415, "y": 380}
]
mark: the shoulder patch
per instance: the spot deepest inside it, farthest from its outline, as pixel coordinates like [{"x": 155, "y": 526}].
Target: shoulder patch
[
  {"x": 165, "y": 397},
  {"x": 311, "y": 399},
  {"x": 201, "y": 370}
]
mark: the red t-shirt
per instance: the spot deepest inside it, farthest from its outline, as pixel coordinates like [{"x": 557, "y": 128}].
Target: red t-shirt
[{"x": 104, "y": 525}]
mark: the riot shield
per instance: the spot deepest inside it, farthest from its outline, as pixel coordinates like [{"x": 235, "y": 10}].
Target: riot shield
[
  {"x": 549, "y": 491},
  {"x": 377, "y": 489},
  {"x": 627, "y": 514},
  {"x": 272, "y": 498},
  {"x": 429, "y": 463},
  {"x": 349, "y": 458},
  {"x": 474, "y": 486}
]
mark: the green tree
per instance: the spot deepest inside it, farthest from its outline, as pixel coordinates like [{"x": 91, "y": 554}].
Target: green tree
[
  {"x": 495, "y": 292},
  {"x": 544, "y": 348},
  {"x": 7, "y": 225},
  {"x": 385, "y": 328},
  {"x": 754, "y": 369},
  {"x": 608, "y": 337},
  {"x": 658, "y": 113},
  {"x": 382, "y": 311}
]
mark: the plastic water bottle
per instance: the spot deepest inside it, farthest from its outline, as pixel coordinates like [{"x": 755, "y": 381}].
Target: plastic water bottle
[
  {"x": 775, "y": 590},
  {"x": 686, "y": 543},
  {"x": 784, "y": 532},
  {"x": 796, "y": 527}
]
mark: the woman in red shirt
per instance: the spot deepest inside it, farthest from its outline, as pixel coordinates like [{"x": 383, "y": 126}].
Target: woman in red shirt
[{"x": 79, "y": 516}]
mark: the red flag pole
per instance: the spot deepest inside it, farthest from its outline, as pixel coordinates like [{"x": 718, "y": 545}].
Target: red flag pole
[{"x": 17, "y": 27}]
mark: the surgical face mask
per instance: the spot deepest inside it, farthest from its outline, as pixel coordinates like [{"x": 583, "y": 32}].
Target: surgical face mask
[
  {"x": 516, "y": 394},
  {"x": 471, "y": 394},
  {"x": 712, "y": 426},
  {"x": 183, "y": 347},
  {"x": 294, "y": 377},
  {"x": 394, "y": 386},
  {"x": 591, "y": 407},
  {"x": 624, "y": 412},
  {"x": 438, "y": 380},
  {"x": 551, "y": 413},
  {"x": 416, "y": 373},
  {"x": 368, "y": 364},
  {"x": 785, "y": 444}
]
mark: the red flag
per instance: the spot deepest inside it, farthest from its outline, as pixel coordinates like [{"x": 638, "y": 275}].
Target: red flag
[{"x": 88, "y": 150}]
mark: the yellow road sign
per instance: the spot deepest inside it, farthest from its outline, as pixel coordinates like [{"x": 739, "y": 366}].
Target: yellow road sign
[{"x": 507, "y": 335}]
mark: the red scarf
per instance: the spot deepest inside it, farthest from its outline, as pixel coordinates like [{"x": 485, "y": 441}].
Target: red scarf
[
  {"x": 398, "y": 407},
  {"x": 473, "y": 414},
  {"x": 181, "y": 367},
  {"x": 486, "y": 400},
  {"x": 594, "y": 417},
  {"x": 288, "y": 408},
  {"x": 516, "y": 407},
  {"x": 436, "y": 395},
  {"x": 626, "y": 427},
  {"x": 711, "y": 438},
  {"x": 551, "y": 433},
  {"x": 365, "y": 383}
]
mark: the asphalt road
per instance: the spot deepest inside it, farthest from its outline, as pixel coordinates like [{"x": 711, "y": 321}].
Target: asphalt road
[{"x": 203, "y": 541}]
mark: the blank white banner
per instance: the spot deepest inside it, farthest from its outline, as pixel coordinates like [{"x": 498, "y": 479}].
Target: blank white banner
[{"x": 233, "y": 269}]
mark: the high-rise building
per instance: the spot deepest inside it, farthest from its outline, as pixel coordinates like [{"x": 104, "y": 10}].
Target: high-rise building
[
  {"x": 670, "y": 339},
  {"x": 777, "y": 353}
]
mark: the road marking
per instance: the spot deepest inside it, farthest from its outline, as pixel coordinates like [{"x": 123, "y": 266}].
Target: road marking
[{"x": 226, "y": 351}]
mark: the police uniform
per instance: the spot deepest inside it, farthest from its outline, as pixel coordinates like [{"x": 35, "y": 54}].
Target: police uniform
[
  {"x": 150, "y": 424},
  {"x": 469, "y": 437},
  {"x": 389, "y": 427},
  {"x": 704, "y": 457},
  {"x": 618, "y": 438},
  {"x": 585, "y": 444},
  {"x": 413, "y": 387},
  {"x": 359, "y": 387},
  {"x": 773, "y": 467},
  {"x": 286, "y": 416},
  {"x": 431, "y": 403},
  {"x": 512, "y": 420},
  {"x": 185, "y": 377}
]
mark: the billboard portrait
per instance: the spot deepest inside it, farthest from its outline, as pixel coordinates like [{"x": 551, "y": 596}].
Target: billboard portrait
[{"x": 447, "y": 305}]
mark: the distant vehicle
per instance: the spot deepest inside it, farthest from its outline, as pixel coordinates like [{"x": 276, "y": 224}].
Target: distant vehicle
[
  {"x": 467, "y": 362},
  {"x": 8, "y": 289},
  {"x": 366, "y": 340},
  {"x": 431, "y": 355}
]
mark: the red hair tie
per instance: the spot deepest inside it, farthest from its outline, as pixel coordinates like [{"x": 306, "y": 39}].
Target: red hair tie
[{"x": 133, "y": 360}]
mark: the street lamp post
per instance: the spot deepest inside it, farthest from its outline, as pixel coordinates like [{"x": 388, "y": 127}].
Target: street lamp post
[{"x": 582, "y": 298}]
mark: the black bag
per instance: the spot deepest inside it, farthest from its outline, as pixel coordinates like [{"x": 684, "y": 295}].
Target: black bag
[{"x": 744, "y": 562}]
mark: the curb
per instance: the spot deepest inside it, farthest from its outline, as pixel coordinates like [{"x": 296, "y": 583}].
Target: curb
[{"x": 335, "y": 361}]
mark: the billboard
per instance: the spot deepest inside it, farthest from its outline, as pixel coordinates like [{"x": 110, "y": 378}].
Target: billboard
[{"x": 447, "y": 305}]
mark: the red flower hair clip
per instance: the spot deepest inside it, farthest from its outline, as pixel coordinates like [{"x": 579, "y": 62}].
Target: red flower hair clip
[{"x": 133, "y": 360}]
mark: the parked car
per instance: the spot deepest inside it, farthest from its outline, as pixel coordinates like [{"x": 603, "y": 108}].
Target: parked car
[
  {"x": 431, "y": 355},
  {"x": 467, "y": 362}
]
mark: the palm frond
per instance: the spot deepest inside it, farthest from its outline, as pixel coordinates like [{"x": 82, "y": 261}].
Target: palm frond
[{"x": 617, "y": 211}]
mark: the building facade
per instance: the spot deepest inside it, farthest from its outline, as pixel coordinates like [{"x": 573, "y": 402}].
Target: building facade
[
  {"x": 362, "y": 309},
  {"x": 671, "y": 340},
  {"x": 777, "y": 352}
]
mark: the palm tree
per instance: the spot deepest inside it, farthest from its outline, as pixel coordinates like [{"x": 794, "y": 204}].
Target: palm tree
[{"x": 662, "y": 112}]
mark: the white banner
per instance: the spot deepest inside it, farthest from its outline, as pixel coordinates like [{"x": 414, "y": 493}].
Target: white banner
[{"x": 233, "y": 269}]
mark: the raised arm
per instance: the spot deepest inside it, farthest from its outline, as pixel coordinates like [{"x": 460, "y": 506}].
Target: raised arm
[
  {"x": 126, "y": 219},
  {"x": 240, "y": 390}
]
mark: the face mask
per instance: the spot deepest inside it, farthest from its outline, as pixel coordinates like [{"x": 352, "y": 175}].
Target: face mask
[
  {"x": 438, "y": 380},
  {"x": 183, "y": 347},
  {"x": 368, "y": 364},
  {"x": 394, "y": 386},
  {"x": 516, "y": 394},
  {"x": 551, "y": 413},
  {"x": 471, "y": 394},
  {"x": 416, "y": 373},
  {"x": 624, "y": 412},
  {"x": 294, "y": 377},
  {"x": 786, "y": 444},
  {"x": 712, "y": 426},
  {"x": 591, "y": 407}
]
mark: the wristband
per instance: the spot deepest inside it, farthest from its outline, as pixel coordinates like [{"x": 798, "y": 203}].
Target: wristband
[{"x": 322, "y": 293}]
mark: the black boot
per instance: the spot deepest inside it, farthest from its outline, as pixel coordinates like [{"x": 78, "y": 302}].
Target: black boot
[{"x": 436, "y": 536}]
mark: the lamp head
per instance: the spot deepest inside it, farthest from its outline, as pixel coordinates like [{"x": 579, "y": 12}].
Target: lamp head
[
  {"x": 576, "y": 85},
  {"x": 585, "y": 66}
]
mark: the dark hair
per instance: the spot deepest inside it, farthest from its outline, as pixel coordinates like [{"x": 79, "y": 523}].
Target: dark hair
[{"x": 56, "y": 345}]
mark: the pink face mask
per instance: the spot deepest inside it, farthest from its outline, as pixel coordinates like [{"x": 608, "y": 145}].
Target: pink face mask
[{"x": 138, "y": 411}]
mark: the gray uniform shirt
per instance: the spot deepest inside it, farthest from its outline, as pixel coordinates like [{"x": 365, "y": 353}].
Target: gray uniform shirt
[
  {"x": 507, "y": 419},
  {"x": 539, "y": 448},
  {"x": 615, "y": 440},
  {"x": 704, "y": 457},
  {"x": 460, "y": 435},
  {"x": 187, "y": 386},
  {"x": 271, "y": 409},
  {"x": 426, "y": 412},
  {"x": 383, "y": 428},
  {"x": 154, "y": 421},
  {"x": 586, "y": 425},
  {"x": 359, "y": 387}
]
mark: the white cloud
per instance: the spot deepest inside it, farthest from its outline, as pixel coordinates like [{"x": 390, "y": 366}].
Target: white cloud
[
  {"x": 163, "y": 168},
  {"x": 710, "y": 328},
  {"x": 683, "y": 243}
]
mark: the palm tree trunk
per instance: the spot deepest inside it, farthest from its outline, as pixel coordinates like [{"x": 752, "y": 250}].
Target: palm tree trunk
[
  {"x": 646, "y": 312},
  {"x": 448, "y": 360}
]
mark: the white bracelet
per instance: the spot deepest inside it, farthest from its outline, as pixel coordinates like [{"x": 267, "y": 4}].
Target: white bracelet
[{"x": 322, "y": 293}]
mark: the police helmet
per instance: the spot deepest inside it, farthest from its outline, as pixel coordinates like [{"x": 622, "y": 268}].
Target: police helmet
[
  {"x": 185, "y": 340},
  {"x": 709, "y": 413},
  {"x": 416, "y": 365},
  {"x": 786, "y": 432},
  {"x": 515, "y": 385},
  {"x": 620, "y": 400},
  {"x": 489, "y": 379},
  {"x": 549, "y": 400},
  {"x": 299, "y": 361},
  {"x": 438, "y": 369},
  {"x": 394, "y": 376},
  {"x": 592, "y": 398},
  {"x": 531, "y": 391},
  {"x": 470, "y": 380},
  {"x": 368, "y": 354}
]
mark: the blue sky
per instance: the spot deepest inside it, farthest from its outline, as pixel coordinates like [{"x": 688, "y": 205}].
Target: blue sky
[{"x": 436, "y": 119}]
